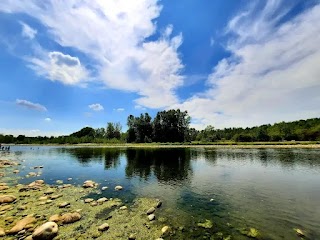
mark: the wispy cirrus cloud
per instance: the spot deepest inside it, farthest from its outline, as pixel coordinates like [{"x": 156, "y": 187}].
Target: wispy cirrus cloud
[
  {"x": 96, "y": 107},
  {"x": 31, "y": 105},
  {"x": 272, "y": 74},
  {"x": 114, "y": 36},
  {"x": 27, "y": 31}
]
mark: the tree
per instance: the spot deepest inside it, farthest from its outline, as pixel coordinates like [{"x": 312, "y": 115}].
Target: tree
[{"x": 171, "y": 126}]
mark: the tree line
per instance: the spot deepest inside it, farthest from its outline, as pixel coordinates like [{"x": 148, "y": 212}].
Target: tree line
[{"x": 173, "y": 126}]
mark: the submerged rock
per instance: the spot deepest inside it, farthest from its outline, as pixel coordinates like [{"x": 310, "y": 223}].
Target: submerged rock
[
  {"x": 20, "y": 225},
  {"x": 46, "y": 231},
  {"x": 103, "y": 227},
  {"x": 207, "y": 224},
  {"x": 104, "y": 188},
  {"x": 165, "y": 229},
  {"x": 16, "y": 171},
  {"x": 102, "y": 200},
  {"x": 2, "y": 232},
  {"x": 89, "y": 184},
  {"x": 118, "y": 188},
  {"x": 64, "y": 204},
  {"x": 299, "y": 232},
  {"x": 7, "y": 199},
  {"x": 59, "y": 182},
  {"x": 88, "y": 200},
  {"x": 151, "y": 217},
  {"x": 70, "y": 217},
  {"x": 151, "y": 210}
]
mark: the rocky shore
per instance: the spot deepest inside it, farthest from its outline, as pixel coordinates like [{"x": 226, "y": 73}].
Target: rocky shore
[{"x": 64, "y": 211}]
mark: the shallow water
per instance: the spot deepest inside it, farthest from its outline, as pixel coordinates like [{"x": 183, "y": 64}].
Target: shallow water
[{"x": 271, "y": 190}]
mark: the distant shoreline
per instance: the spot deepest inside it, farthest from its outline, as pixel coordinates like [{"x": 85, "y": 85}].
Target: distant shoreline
[{"x": 252, "y": 145}]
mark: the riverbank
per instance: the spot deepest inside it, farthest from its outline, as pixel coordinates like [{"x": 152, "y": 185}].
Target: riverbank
[{"x": 248, "y": 145}]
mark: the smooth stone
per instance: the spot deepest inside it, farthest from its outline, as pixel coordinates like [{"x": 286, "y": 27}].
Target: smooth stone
[
  {"x": 70, "y": 217},
  {"x": 159, "y": 204},
  {"x": 43, "y": 198},
  {"x": 2, "y": 232},
  {"x": 299, "y": 232},
  {"x": 88, "y": 200},
  {"x": 7, "y": 199},
  {"x": 103, "y": 227},
  {"x": 211, "y": 200},
  {"x": 151, "y": 210},
  {"x": 101, "y": 200},
  {"x": 40, "y": 181},
  {"x": 104, "y": 188},
  {"x": 3, "y": 188},
  {"x": 6, "y": 208},
  {"x": 59, "y": 182},
  {"x": 118, "y": 188},
  {"x": 69, "y": 179},
  {"x": 93, "y": 204},
  {"x": 22, "y": 207},
  {"x": 49, "y": 201},
  {"x": 89, "y": 184},
  {"x": 46, "y": 231},
  {"x": 123, "y": 208},
  {"x": 21, "y": 224},
  {"x": 32, "y": 174},
  {"x": 64, "y": 204},
  {"x": 165, "y": 229},
  {"x": 55, "y": 196},
  {"x": 55, "y": 218},
  {"x": 151, "y": 217},
  {"x": 132, "y": 237},
  {"x": 16, "y": 171}
]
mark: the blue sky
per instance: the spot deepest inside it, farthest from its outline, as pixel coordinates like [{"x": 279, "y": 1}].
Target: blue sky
[{"x": 69, "y": 64}]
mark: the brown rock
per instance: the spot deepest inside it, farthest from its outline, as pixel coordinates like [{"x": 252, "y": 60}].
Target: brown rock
[
  {"x": 118, "y": 188},
  {"x": 88, "y": 200},
  {"x": 102, "y": 200},
  {"x": 70, "y": 217},
  {"x": 7, "y": 199},
  {"x": 16, "y": 171},
  {"x": 3, "y": 188},
  {"x": 46, "y": 231},
  {"x": 89, "y": 184},
  {"x": 21, "y": 224},
  {"x": 55, "y": 218}
]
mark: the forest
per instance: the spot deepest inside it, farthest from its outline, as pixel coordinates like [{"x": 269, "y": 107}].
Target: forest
[{"x": 173, "y": 126}]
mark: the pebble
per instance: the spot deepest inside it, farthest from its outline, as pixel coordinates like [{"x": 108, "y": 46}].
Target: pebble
[
  {"x": 165, "y": 229},
  {"x": 88, "y": 200},
  {"x": 118, "y": 188},
  {"x": 103, "y": 227},
  {"x": 102, "y": 200},
  {"x": 151, "y": 217},
  {"x": 64, "y": 204},
  {"x": 104, "y": 188},
  {"x": 151, "y": 210},
  {"x": 159, "y": 203},
  {"x": 123, "y": 208}
]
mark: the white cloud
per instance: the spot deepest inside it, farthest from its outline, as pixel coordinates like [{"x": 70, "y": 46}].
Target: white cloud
[
  {"x": 119, "y": 109},
  {"x": 48, "y": 119},
  {"x": 112, "y": 34},
  {"x": 212, "y": 42},
  {"x": 27, "y": 31},
  {"x": 96, "y": 107},
  {"x": 272, "y": 75},
  {"x": 57, "y": 66},
  {"x": 31, "y": 105},
  {"x": 138, "y": 107},
  {"x": 29, "y": 132}
]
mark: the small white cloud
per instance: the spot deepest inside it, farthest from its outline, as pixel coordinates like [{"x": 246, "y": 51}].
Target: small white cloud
[
  {"x": 48, "y": 119},
  {"x": 27, "y": 31},
  {"x": 31, "y": 105},
  {"x": 119, "y": 109},
  {"x": 139, "y": 107},
  {"x": 57, "y": 66},
  {"x": 212, "y": 42},
  {"x": 96, "y": 107}
]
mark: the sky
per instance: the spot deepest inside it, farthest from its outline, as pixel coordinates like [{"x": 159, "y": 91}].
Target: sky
[{"x": 69, "y": 64}]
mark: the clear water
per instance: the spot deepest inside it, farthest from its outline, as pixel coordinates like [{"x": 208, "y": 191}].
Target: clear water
[{"x": 272, "y": 190}]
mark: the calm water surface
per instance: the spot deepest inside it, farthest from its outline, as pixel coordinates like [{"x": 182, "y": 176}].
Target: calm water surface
[{"x": 272, "y": 190}]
